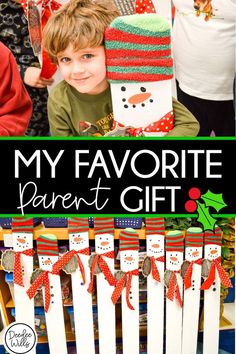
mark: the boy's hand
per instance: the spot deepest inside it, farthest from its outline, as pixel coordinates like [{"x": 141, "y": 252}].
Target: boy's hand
[{"x": 33, "y": 79}]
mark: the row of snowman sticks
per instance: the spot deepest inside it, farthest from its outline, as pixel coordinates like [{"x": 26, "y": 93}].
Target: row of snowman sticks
[{"x": 164, "y": 267}]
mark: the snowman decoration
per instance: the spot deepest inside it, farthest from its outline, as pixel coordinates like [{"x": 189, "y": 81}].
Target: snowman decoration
[
  {"x": 174, "y": 284},
  {"x": 191, "y": 271},
  {"x": 48, "y": 278},
  {"x": 102, "y": 266},
  {"x": 140, "y": 69},
  {"x": 153, "y": 268},
  {"x": 127, "y": 287},
  {"x": 214, "y": 274},
  {"x": 77, "y": 264}
]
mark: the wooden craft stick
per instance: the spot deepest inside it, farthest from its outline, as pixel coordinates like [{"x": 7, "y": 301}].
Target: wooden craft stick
[
  {"x": 214, "y": 275},
  {"x": 128, "y": 288},
  {"x": 191, "y": 270},
  {"x": 155, "y": 245},
  {"x": 174, "y": 283},
  {"x": 103, "y": 268},
  {"x": 49, "y": 278},
  {"x": 22, "y": 233},
  {"x": 82, "y": 299}
]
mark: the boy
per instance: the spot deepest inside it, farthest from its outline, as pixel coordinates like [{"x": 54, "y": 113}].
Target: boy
[
  {"x": 15, "y": 103},
  {"x": 81, "y": 104}
]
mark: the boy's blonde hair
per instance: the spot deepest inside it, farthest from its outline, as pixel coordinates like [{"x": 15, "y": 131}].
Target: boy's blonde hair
[{"x": 81, "y": 23}]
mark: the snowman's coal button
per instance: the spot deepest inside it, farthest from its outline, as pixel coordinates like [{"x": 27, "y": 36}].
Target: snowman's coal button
[{"x": 214, "y": 289}]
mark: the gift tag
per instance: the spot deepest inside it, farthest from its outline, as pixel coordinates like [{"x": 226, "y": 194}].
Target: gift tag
[
  {"x": 184, "y": 268},
  {"x": 167, "y": 276},
  {"x": 206, "y": 266},
  {"x": 146, "y": 266},
  {"x": 97, "y": 268},
  {"x": 119, "y": 275},
  {"x": 7, "y": 260},
  {"x": 36, "y": 273},
  {"x": 71, "y": 266}
]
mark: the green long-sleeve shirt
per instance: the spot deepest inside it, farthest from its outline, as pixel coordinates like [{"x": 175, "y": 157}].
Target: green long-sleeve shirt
[{"x": 68, "y": 110}]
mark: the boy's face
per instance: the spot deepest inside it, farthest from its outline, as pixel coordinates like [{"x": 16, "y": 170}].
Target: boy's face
[{"x": 84, "y": 69}]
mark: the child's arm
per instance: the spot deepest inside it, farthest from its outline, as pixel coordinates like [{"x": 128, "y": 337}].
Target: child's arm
[
  {"x": 185, "y": 123},
  {"x": 15, "y": 103},
  {"x": 58, "y": 118}
]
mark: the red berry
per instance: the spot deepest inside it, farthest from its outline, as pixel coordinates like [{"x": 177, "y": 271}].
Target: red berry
[
  {"x": 194, "y": 193},
  {"x": 191, "y": 206}
]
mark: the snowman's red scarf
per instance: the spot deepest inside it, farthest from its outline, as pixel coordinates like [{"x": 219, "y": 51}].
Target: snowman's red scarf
[
  {"x": 165, "y": 124},
  {"x": 173, "y": 289},
  {"x": 127, "y": 278},
  {"x": 189, "y": 272},
  {"x": 225, "y": 281},
  {"x": 155, "y": 271},
  {"x": 98, "y": 260}
]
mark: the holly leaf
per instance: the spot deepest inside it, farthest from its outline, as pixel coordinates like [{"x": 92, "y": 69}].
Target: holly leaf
[
  {"x": 214, "y": 200},
  {"x": 204, "y": 217}
]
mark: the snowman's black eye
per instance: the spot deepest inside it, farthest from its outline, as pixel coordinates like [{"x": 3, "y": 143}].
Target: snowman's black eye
[
  {"x": 143, "y": 89},
  {"x": 123, "y": 88}
]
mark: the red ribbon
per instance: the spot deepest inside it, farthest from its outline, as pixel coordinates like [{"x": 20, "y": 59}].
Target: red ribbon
[
  {"x": 43, "y": 279},
  {"x": 173, "y": 290},
  {"x": 222, "y": 274},
  {"x": 67, "y": 257},
  {"x": 127, "y": 278},
  {"x": 98, "y": 260},
  {"x": 18, "y": 278},
  {"x": 189, "y": 272},
  {"x": 144, "y": 6},
  {"x": 165, "y": 124},
  {"x": 155, "y": 271},
  {"x": 48, "y": 6}
]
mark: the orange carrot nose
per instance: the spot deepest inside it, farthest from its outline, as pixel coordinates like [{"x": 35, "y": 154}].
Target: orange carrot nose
[
  {"x": 195, "y": 253},
  {"x": 156, "y": 245},
  {"x": 213, "y": 252},
  {"x": 139, "y": 98},
  {"x": 174, "y": 259},
  {"x": 129, "y": 259},
  {"x": 21, "y": 240},
  {"x": 48, "y": 261},
  {"x": 78, "y": 239},
  {"x": 104, "y": 243}
]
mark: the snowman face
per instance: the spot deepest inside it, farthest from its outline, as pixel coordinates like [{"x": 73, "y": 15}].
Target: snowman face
[
  {"x": 104, "y": 243},
  {"x": 174, "y": 260},
  {"x": 140, "y": 104},
  {"x": 46, "y": 262},
  {"x": 193, "y": 253},
  {"x": 22, "y": 241},
  {"x": 155, "y": 245},
  {"x": 212, "y": 252},
  {"x": 78, "y": 241},
  {"x": 129, "y": 260}
]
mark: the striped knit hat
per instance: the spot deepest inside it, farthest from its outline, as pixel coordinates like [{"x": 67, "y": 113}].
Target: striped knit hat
[
  {"x": 138, "y": 49},
  {"x": 213, "y": 237},
  {"x": 194, "y": 237},
  {"x": 129, "y": 240},
  {"x": 22, "y": 225},
  {"x": 77, "y": 225},
  {"x": 155, "y": 226},
  {"x": 47, "y": 245},
  {"x": 174, "y": 241},
  {"x": 103, "y": 226}
]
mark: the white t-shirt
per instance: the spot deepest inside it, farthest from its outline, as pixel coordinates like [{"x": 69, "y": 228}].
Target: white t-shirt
[{"x": 204, "y": 50}]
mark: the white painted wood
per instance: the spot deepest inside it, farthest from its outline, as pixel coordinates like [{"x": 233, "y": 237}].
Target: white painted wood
[
  {"x": 54, "y": 317},
  {"x": 82, "y": 299},
  {"x": 212, "y": 307},
  {"x": 155, "y": 297},
  {"x": 130, "y": 318},
  {"x": 24, "y": 307},
  {"x": 106, "y": 309}
]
